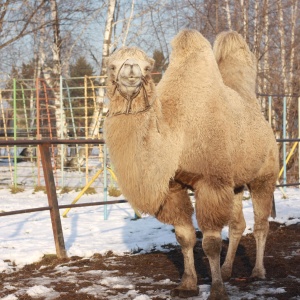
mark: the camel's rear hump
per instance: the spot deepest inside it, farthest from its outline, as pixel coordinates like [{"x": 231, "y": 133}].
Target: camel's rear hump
[
  {"x": 237, "y": 64},
  {"x": 232, "y": 44}
]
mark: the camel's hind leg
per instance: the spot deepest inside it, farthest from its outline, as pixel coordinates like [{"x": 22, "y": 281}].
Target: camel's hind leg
[
  {"x": 262, "y": 199},
  {"x": 237, "y": 226},
  {"x": 213, "y": 208},
  {"x": 177, "y": 210}
]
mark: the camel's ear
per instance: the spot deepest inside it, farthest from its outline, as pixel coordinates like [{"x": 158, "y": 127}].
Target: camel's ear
[
  {"x": 107, "y": 63},
  {"x": 151, "y": 62}
]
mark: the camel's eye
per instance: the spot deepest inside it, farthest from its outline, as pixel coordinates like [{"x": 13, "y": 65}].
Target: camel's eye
[
  {"x": 147, "y": 69},
  {"x": 112, "y": 67}
]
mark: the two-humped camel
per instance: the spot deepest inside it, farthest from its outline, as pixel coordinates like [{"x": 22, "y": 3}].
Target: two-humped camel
[{"x": 191, "y": 131}]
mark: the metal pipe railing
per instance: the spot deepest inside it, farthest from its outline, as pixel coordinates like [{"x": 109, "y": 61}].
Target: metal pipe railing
[{"x": 53, "y": 206}]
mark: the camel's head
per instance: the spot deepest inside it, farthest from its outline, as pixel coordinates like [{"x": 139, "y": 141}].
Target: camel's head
[{"x": 128, "y": 68}]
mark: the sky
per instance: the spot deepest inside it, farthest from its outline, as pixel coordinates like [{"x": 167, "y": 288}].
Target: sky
[{"x": 26, "y": 238}]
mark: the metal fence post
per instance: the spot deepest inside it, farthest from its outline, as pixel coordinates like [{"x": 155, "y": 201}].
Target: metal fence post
[
  {"x": 62, "y": 158},
  {"x": 105, "y": 180},
  {"x": 298, "y": 142},
  {"x": 270, "y": 110},
  {"x": 52, "y": 200},
  {"x": 284, "y": 143},
  {"x": 15, "y": 131}
]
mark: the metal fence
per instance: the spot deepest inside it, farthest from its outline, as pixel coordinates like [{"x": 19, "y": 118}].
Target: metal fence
[
  {"x": 32, "y": 109},
  {"x": 283, "y": 114}
]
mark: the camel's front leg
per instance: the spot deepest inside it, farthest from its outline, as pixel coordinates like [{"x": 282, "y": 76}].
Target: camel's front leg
[
  {"x": 186, "y": 237},
  {"x": 177, "y": 210},
  {"x": 213, "y": 209},
  {"x": 212, "y": 245}
]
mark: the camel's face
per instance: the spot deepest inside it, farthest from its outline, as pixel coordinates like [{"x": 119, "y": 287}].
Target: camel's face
[{"x": 129, "y": 67}]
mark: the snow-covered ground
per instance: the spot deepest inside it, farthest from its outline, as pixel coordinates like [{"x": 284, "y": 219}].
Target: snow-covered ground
[{"x": 26, "y": 238}]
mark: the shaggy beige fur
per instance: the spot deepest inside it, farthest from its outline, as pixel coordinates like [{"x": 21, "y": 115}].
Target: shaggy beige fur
[
  {"x": 140, "y": 143},
  {"x": 238, "y": 68},
  {"x": 237, "y": 63},
  {"x": 197, "y": 133}
]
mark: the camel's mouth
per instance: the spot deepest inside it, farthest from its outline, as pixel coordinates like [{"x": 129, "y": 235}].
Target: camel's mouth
[
  {"x": 130, "y": 74},
  {"x": 133, "y": 81}
]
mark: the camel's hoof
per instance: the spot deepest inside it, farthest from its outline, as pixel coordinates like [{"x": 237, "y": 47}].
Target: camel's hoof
[
  {"x": 226, "y": 274},
  {"x": 177, "y": 292},
  {"x": 218, "y": 292},
  {"x": 258, "y": 273}
]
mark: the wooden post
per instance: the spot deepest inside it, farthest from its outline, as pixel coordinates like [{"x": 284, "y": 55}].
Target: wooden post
[
  {"x": 273, "y": 212},
  {"x": 52, "y": 200}
]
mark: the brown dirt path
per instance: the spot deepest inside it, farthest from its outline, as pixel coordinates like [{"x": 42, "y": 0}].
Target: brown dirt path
[{"x": 155, "y": 274}]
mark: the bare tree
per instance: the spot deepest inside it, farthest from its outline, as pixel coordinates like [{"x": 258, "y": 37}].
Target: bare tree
[
  {"x": 294, "y": 13},
  {"x": 94, "y": 126},
  {"x": 228, "y": 14},
  {"x": 282, "y": 37},
  {"x": 96, "y": 119},
  {"x": 16, "y": 25}
]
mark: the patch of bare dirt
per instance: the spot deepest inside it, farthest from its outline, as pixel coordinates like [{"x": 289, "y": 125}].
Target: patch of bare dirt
[{"x": 282, "y": 262}]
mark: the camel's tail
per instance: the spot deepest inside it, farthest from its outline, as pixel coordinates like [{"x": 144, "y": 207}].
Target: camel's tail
[{"x": 236, "y": 62}]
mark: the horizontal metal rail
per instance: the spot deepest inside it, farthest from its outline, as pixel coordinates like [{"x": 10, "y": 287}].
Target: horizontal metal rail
[
  {"x": 53, "y": 207},
  {"x": 29, "y": 210},
  {"x": 288, "y": 184},
  {"x": 288, "y": 140},
  {"x": 279, "y": 95},
  {"x": 27, "y": 142},
  {"x": 23, "y": 142}
]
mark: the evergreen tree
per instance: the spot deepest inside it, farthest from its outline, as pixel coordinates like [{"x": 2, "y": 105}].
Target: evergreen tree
[
  {"x": 81, "y": 68},
  {"x": 77, "y": 93},
  {"x": 159, "y": 65}
]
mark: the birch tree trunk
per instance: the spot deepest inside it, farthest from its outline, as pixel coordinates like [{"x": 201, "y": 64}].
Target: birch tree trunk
[
  {"x": 228, "y": 16},
  {"x": 282, "y": 47},
  {"x": 265, "y": 63},
  {"x": 266, "y": 48},
  {"x": 94, "y": 126},
  {"x": 128, "y": 23},
  {"x": 97, "y": 115},
  {"x": 292, "y": 107},
  {"x": 292, "y": 56},
  {"x": 256, "y": 29},
  {"x": 256, "y": 44},
  {"x": 283, "y": 64},
  {"x": 52, "y": 78},
  {"x": 41, "y": 62},
  {"x": 39, "y": 56},
  {"x": 244, "y": 19}
]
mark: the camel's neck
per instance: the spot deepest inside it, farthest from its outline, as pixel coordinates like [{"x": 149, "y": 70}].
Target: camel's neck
[{"x": 138, "y": 145}]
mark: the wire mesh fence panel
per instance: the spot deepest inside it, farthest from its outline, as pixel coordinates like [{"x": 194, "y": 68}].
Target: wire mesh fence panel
[
  {"x": 282, "y": 113},
  {"x": 37, "y": 109}
]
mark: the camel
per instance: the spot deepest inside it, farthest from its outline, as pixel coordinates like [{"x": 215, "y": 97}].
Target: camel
[{"x": 190, "y": 132}]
